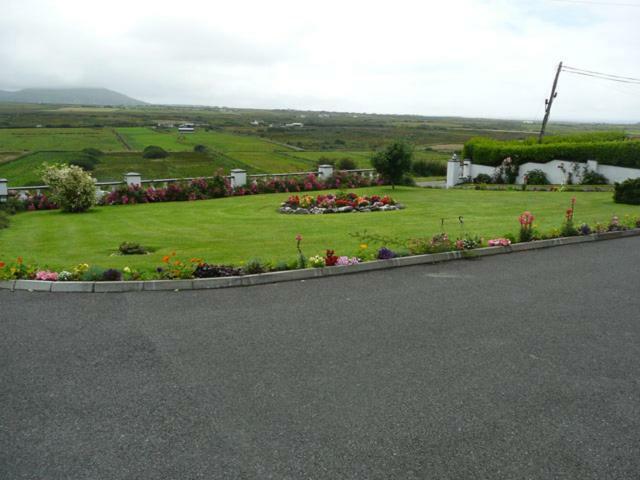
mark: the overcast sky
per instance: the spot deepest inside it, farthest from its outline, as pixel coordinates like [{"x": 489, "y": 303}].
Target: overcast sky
[{"x": 493, "y": 58}]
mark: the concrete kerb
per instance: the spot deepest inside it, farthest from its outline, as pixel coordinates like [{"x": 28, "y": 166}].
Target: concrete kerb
[{"x": 296, "y": 275}]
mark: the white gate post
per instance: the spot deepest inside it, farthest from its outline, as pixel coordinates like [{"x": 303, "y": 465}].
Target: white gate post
[
  {"x": 132, "y": 178},
  {"x": 325, "y": 171},
  {"x": 238, "y": 177},
  {"x": 4, "y": 190}
]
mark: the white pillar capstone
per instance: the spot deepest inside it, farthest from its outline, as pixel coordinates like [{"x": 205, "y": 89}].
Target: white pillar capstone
[
  {"x": 238, "y": 177},
  {"x": 325, "y": 171},
  {"x": 4, "y": 189},
  {"x": 132, "y": 178}
]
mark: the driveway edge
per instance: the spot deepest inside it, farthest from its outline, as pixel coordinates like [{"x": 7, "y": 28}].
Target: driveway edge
[{"x": 305, "y": 274}]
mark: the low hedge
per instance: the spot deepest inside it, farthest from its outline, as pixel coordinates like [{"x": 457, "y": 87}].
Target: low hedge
[
  {"x": 627, "y": 192},
  {"x": 485, "y": 151}
]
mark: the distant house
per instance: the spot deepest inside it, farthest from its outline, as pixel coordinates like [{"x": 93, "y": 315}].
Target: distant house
[
  {"x": 255, "y": 123},
  {"x": 186, "y": 128},
  {"x": 294, "y": 125}
]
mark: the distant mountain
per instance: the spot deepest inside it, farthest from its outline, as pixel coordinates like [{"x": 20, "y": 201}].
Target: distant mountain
[{"x": 69, "y": 96}]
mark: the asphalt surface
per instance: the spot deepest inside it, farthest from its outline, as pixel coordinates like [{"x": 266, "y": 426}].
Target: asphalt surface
[{"x": 515, "y": 366}]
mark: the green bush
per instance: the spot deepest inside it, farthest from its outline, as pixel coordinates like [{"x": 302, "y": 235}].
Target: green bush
[
  {"x": 536, "y": 177},
  {"x": 589, "y": 177},
  {"x": 394, "y": 162},
  {"x": 130, "y": 248},
  {"x": 429, "y": 168},
  {"x": 485, "y": 151},
  {"x": 483, "y": 178},
  {"x": 153, "y": 151},
  {"x": 200, "y": 149},
  {"x": 346, "y": 164},
  {"x": 627, "y": 192},
  {"x": 85, "y": 161},
  {"x": 71, "y": 187}
]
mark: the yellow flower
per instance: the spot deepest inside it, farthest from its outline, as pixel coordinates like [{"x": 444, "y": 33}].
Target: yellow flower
[{"x": 364, "y": 246}]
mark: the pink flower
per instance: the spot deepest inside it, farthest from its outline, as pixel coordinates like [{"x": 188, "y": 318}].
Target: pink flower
[
  {"x": 46, "y": 275},
  {"x": 298, "y": 238}
]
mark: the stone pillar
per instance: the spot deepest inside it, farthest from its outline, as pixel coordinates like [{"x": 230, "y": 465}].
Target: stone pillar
[
  {"x": 325, "y": 171},
  {"x": 132, "y": 178},
  {"x": 238, "y": 177},
  {"x": 453, "y": 171},
  {"x": 466, "y": 169},
  {"x": 4, "y": 190}
]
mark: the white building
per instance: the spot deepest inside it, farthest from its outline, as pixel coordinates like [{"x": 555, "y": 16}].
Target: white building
[
  {"x": 186, "y": 128},
  {"x": 294, "y": 125}
]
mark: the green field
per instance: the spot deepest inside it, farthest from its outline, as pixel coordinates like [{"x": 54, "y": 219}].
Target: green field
[
  {"x": 33, "y": 139},
  {"x": 171, "y": 140},
  {"x": 233, "y": 230}
]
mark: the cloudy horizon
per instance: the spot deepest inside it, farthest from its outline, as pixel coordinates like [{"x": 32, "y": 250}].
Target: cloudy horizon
[{"x": 468, "y": 58}]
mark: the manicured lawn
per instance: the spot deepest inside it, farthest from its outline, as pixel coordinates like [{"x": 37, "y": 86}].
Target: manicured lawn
[{"x": 232, "y": 230}]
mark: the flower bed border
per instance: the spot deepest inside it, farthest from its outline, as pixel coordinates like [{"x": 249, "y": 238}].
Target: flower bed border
[{"x": 304, "y": 274}]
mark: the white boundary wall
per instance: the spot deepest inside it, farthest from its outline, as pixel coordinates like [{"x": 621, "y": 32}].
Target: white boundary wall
[{"x": 457, "y": 173}]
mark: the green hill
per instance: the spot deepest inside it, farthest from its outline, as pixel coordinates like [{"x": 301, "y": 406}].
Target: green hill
[{"x": 69, "y": 96}]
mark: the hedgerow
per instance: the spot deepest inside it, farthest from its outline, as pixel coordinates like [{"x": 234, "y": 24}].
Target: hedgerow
[{"x": 620, "y": 153}]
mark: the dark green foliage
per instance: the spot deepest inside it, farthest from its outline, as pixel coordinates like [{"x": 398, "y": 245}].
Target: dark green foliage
[
  {"x": 205, "y": 270},
  {"x": 200, "y": 149},
  {"x": 255, "y": 266},
  {"x": 394, "y": 162},
  {"x": 426, "y": 168},
  {"x": 346, "y": 164},
  {"x": 483, "y": 178},
  {"x": 153, "y": 151},
  {"x": 112, "y": 275},
  {"x": 127, "y": 248},
  {"x": 627, "y": 192},
  {"x": 590, "y": 177},
  {"x": 93, "y": 274},
  {"x": 85, "y": 161},
  {"x": 580, "y": 137},
  {"x": 622, "y": 153},
  {"x": 94, "y": 152},
  {"x": 536, "y": 177}
]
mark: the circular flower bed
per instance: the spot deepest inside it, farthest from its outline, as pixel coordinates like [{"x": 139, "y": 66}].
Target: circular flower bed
[{"x": 338, "y": 203}]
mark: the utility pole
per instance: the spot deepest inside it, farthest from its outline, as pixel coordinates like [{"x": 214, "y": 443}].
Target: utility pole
[{"x": 548, "y": 102}]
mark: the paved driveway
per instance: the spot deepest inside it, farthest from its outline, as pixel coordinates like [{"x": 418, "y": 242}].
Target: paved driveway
[{"x": 516, "y": 366}]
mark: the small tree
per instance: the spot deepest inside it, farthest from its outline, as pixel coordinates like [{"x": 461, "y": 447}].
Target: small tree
[
  {"x": 71, "y": 187},
  {"x": 393, "y": 162}
]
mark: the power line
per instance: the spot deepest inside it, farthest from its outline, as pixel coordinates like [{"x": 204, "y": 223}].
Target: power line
[
  {"x": 582, "y": 70},
  {"x": 608, "y": 4},
  {"x": 603, "y": 77}
]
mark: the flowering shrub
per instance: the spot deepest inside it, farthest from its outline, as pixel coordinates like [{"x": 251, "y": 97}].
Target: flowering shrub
[
  {"x": 385, "y": 254},
  {"x": 46, "y": 275},
  {"x": 499, "y": 242},
  {"x": 568, "y": 229},
  {"x": 526, "y": 227},
  {"x": 436, "y": 244},
  {"x": 339, "y": 203},
  {"x": 330, "y": 259},
  {"x": 19, "y": 202},
  {"x": 316, "y": 261},
  {"x": 71, "y": 187},
  {"x": 17, "y": 270},
  {"x": 342, "y": 261},
  {"x": 468, "y": 243}
]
